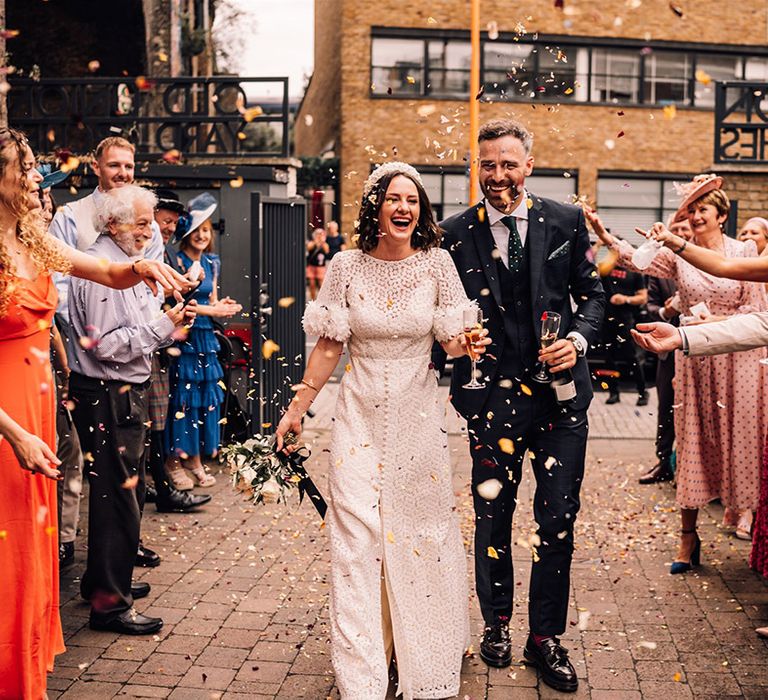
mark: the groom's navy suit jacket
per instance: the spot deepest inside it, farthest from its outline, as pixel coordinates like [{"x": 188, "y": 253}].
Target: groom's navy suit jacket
[{"x": 560, "y": 267}]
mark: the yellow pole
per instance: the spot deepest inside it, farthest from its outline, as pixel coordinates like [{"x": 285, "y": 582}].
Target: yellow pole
[{"x": 474, "y": 104}]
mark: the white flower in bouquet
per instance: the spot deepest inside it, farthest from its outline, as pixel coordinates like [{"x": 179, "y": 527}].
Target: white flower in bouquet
[
  {"x": 247, "y": 473},
  {"x": 271, "y": 490}
]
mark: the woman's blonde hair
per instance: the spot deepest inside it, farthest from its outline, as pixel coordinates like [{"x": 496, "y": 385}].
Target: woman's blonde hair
[{"x": 30, "y": 228}]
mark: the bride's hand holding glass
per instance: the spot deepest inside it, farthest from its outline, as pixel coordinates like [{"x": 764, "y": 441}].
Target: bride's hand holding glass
[{"x": 479, "y": 341}]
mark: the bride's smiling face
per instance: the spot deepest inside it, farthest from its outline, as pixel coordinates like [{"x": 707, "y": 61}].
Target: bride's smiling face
[{"x": 399, "y": 213}]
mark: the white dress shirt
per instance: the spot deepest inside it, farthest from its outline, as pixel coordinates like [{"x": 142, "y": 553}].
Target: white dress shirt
[{"x": 499, "y": 230}]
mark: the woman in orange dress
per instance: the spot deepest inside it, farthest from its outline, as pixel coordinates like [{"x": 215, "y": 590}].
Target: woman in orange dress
[{"x": 30, "y": 628}]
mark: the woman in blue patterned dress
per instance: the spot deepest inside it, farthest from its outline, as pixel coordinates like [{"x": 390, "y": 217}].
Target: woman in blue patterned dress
[{"x": 192, "y": 429}]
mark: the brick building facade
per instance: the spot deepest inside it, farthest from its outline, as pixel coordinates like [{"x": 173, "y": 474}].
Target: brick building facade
[{"x": 619, "y": 94}]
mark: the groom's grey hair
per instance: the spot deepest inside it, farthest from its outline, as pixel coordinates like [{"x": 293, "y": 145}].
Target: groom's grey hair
[{"x": 497, "y": 128}]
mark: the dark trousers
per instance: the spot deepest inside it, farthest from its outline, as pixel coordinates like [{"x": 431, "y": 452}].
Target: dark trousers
[
  {"x": 621, "y": 351},
  {"x": 156, "y": 463},
  {"x": 557, "y": 437},
  {"x": 111, "y": 421},
  {"x": 665, "y": 430}
]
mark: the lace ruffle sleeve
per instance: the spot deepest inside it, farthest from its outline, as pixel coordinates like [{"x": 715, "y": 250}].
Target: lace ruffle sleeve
[
  {"x": 451, "y": 299},
  {"x": 328, "y": 315}
]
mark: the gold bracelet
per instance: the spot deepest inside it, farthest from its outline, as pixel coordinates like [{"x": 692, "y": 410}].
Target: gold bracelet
[{"x": 309, "y": 384}]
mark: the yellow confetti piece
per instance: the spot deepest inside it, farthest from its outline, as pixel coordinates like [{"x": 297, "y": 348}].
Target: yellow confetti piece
[
  {"x": 391, "y": 537},
  {"x": 526, "y": 390},
  {"x": 43, "y": 325},
  {"x": 179, "y": 415},
  {"x": 348, "y": 367},
  {"x": 50, "y": 530},
  {"x": 70, "y": 164},
  {"x": 492, "y": 553},
  {"x": 124, "y": 389},
  {"x": 410, "y": 79},
  {"x": 431, "y": 20},
  {"x": 222, "y": 385},
  {"x": 529, "y": 202},
  {"x": 285, "y": 302},
  {"x": 416, "y": 552},
  {"x": 670, "y": 111},
  {"x": 250, "y": 114},
  {"x": 237, "y": 182},
  {"x": 507, "y": 446},
  {"x": 481, "y": 214},
  {"x": 677, "y": 677},
  {"x": 269, "y": 348},
  {"x": 703, "y": 77},
  {"x": 130, "y": 483},
  {"x": 223, "y": 421},
  {"x": 568, "y": 91},
  {"x": 3, "y": 534}
]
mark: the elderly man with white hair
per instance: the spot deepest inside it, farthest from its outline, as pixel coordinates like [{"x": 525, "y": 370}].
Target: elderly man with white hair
[{"x": 118, "y": 330}]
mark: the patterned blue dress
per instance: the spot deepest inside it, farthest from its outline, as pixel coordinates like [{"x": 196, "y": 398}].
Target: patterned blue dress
[{"x": 194, "y": 411}]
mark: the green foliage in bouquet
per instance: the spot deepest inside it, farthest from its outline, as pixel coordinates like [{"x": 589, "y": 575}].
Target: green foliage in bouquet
[{"x": 258, "y": 471}]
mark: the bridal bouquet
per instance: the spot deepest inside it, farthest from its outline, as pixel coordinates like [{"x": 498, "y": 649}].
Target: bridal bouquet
[
  {"x": 258, "y": 471},
  {"x": 266, "y": 476}
]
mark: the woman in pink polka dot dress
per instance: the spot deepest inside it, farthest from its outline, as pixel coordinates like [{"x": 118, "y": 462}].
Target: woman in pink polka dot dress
[{"x": 719, "y": 418}]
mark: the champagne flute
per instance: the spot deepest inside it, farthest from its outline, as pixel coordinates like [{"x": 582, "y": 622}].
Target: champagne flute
[
  {"x": 472, "y": 320},
  {"x": 550, "y": 327}
]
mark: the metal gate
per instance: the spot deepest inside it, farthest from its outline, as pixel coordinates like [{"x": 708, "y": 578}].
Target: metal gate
[{"x": 278, "y": 250}]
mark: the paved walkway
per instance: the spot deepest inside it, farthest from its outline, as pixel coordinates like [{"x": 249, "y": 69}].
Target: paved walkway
[{"x": 243, "y": 592}]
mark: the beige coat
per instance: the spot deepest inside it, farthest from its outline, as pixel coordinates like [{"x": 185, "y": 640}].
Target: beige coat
[{"x": 740, "y": 332}]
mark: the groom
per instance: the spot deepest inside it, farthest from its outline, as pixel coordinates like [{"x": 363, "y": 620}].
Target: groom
[{"x": 520, "y": 255}]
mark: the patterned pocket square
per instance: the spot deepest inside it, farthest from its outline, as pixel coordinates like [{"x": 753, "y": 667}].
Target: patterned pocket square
[{"x": 559, "y": 252}]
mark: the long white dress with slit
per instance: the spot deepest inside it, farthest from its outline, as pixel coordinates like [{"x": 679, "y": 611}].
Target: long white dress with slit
[{"x": 391, "y": 509}]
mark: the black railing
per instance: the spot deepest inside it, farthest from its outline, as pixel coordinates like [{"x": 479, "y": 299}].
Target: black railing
[
  {"x": 741, "y": 122},
  {"x": 201, "y": 117}
]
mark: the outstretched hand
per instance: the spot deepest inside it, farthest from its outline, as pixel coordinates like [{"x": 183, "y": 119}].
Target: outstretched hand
[
  {"x": 657, "y": 337},
  {"x": 154, "y": 272},
  {"x": 597, "y": 224}
]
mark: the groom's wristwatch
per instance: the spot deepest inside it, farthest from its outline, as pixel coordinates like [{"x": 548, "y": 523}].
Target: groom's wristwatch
[{"x": 578, "y": 343}]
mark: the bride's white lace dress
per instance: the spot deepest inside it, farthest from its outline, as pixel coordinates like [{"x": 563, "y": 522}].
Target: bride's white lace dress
[{"x": 391, "y": 509}]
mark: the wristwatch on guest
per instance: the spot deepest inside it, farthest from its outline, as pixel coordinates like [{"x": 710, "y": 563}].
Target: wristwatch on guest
[{"x": 578, "y": 343}]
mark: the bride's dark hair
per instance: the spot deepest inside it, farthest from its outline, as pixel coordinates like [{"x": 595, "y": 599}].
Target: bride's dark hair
[{"x": 427, "y": 233}]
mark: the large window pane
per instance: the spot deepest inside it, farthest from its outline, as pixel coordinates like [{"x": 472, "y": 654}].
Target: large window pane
[
  {"x": 667, "y": 78},
  {"x": 508, "y": 68},
  {"x": 557, "y": 72},
  {"x": 449, "y": 63},
  {"x": 717, "y": 68},
  {"x": 626, "y": 203},
  {"x": 456, "y": 190},
  {"x": 556, "y": 187},
  {"x": 397, "y": 66},
  {"x": 615, "y": 75},
  {"x": 433, "y": 186}
]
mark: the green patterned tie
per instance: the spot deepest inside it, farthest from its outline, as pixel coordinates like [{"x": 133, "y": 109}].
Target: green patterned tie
[{"x": 515, "y": 244}]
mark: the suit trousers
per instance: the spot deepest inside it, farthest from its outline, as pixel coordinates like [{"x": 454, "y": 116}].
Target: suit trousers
[
  {"x": 111, "y": 419},
  {"x": 665, "y": 429},
  {"x": 556, "y": 437},
  {"x": 70, "y": 486}
]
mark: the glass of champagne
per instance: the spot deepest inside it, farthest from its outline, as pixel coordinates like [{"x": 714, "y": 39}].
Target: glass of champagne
[
  {"x": 550, "y": 327},
  {"x": 473, "y": 324}
]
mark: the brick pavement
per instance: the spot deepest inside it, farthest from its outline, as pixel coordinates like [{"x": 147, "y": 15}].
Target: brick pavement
[{"x": 243, "y": 592}]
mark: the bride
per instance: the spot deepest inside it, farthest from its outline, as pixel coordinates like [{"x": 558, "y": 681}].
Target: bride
[{"x": 398, "y": 566}]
